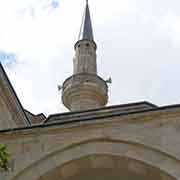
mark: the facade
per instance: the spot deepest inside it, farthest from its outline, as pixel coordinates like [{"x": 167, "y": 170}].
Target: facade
[{"x": 139, "y": 141}]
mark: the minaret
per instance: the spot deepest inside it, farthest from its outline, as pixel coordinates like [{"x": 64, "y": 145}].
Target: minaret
[{"x": 85, "y": 89}]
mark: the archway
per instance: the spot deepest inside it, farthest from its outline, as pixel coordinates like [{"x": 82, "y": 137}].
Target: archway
[
  {"x": 137, "y": 157},
  {"x": 105, "y": 167}
]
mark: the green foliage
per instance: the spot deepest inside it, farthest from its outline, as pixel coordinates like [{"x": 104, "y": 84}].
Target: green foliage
[{"x": 4, "y": 157}]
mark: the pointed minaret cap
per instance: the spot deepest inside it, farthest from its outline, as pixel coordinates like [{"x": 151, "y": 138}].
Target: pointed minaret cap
[{"x": 86, "y": 31}]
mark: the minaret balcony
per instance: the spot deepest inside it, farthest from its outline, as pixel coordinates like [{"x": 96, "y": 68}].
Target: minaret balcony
[{"x": 88, "y": 89}]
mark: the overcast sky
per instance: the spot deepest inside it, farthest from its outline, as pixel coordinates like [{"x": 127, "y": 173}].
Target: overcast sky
[{"x": 138, "y": 47}]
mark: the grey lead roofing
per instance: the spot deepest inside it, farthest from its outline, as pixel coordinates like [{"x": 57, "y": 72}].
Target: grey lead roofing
[{"x": 86, "y": 31}]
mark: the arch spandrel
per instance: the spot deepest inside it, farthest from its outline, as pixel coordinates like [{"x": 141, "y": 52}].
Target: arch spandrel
[{"x": 166, "y": 165}]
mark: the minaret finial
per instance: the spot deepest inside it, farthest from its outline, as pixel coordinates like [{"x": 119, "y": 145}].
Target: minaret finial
[{"x": 86, "y": 1}]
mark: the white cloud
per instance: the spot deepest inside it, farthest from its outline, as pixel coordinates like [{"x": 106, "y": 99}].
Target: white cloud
[{"x": 138, "y": 46}]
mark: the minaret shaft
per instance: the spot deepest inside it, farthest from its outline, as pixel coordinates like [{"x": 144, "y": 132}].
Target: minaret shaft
[
  {"x": 85, "y": 58},
  {"x": 85, "y": 89}
]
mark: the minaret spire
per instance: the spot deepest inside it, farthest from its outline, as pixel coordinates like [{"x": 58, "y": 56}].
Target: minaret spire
[
  {"x": 85, "y": 89},
  {"x": 86, "y": 31}
]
